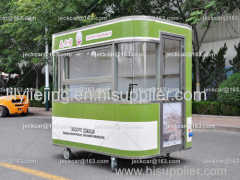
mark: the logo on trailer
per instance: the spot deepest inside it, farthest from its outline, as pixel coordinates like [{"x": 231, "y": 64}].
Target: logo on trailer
[
  {"x": 66, "y": 43},
  {"x": 79, "y": 38}
]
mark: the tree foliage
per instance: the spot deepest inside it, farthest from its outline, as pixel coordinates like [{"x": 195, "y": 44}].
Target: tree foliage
[
  {"x": 230, "y": 90},
  {"x": 235, "y": 62},
  {"x": 18, "y": 37},
  {"x": 212, "y": 70}
]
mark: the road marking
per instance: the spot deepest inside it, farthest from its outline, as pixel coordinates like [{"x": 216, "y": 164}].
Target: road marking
[{"x": 32, "y": 171}]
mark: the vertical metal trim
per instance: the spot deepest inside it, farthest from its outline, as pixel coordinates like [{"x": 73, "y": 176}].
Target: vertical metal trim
[
  {"x": 183, "y": 59},
  {"x": 180, "y": 65},
  {"x": 115, "y": 68},
  {"x": 54, "y": 72},
  {"x": 64, "y": 69},
  {"x": 161, "y": 127},
  {"x": 158, "y": 74},
  {"x": 144, "y": 47},
  {"x": 161, "y": 47},
  {"x": 161, "y": 59},
  {"x": 158, "y": 85},
  {"x": 59, "y": 73}
]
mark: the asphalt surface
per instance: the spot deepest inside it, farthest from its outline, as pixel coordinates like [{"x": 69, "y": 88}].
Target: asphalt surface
[{"x": 26, "y": 143}]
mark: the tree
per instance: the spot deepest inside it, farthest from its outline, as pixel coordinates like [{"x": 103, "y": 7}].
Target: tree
[
  {"x": 7, "y": 46},
  {"x": 220, "y": 71},
  {"x": 21, "y": 37},
  {"x": 235, "y": 62},
  {"x": 212, "y": 70}
]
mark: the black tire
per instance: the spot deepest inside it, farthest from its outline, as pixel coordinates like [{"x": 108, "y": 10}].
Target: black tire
[
  {"x": 3, "y": 111},
  {"x": 67, "y": 154},
  {"x": 114, "y": 164}
]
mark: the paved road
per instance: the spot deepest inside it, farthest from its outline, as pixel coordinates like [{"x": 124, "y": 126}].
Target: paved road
[{"x": 26, "y": 153}]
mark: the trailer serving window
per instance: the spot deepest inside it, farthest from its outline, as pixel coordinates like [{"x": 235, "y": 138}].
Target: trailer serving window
[
  {"x": 88, "y": 64},
  {"x": 87, "y": 68},
  {"x": 94, "y": 68},
  {"x": 136, "y": 66}
]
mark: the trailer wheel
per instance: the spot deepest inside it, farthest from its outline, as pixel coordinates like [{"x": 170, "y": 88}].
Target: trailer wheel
[
  {"x": 67, "y": 154},
  {"x": 114, "y": 164},
  {"x": 3, "y": 111}
]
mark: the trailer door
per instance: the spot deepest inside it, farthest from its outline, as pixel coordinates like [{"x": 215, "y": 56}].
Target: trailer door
[{"x": 172, "y": 82}]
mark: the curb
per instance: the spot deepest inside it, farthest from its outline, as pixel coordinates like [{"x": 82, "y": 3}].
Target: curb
[
  {"x": 226, "y": 128},
  {"x": 215, "y": 122},
  {"x": 216, "y": 116},
  {"x": 220, "y": 128}
]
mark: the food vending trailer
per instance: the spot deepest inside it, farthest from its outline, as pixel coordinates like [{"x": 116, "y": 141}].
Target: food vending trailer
[{"x": 123, "y": 88}]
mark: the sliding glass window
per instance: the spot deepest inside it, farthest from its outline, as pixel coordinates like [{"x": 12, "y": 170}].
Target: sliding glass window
[
  {"x": 136, "y": 64},
  {"x": 87, "y": 70}
]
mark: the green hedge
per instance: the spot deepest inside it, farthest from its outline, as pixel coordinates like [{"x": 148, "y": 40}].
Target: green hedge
[
  {"x": 230, "y": 90},
  {"x": 35, "y": 103},
  {"x": 215, "y": 108}
]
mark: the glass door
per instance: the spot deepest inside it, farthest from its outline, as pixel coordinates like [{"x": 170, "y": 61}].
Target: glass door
[{"x": 172, "y": 83}]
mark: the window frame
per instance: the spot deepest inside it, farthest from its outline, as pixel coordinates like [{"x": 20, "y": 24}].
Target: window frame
[
  {"x": 113, "y": 79},
  {"x": 84, "y": 80},
  {"x": 157, "y": 60},
  {"x": 181, "y": 73}
]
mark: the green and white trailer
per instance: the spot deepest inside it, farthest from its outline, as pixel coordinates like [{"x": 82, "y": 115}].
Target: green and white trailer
[{"x": 117, "y": 57}]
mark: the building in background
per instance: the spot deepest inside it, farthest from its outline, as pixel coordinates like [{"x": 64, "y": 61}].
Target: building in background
[{"x": 226, "y": 29}]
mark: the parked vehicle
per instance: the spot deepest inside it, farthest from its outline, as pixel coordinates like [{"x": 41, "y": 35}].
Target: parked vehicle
[{"x": 13, "y": 105}]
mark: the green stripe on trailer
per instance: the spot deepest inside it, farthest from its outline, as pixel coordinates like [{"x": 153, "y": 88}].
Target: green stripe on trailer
[
  {"x": 111, "y": 112},
  {"x": 119, "y": 30},
  {"x": 106, "y": 150}
]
